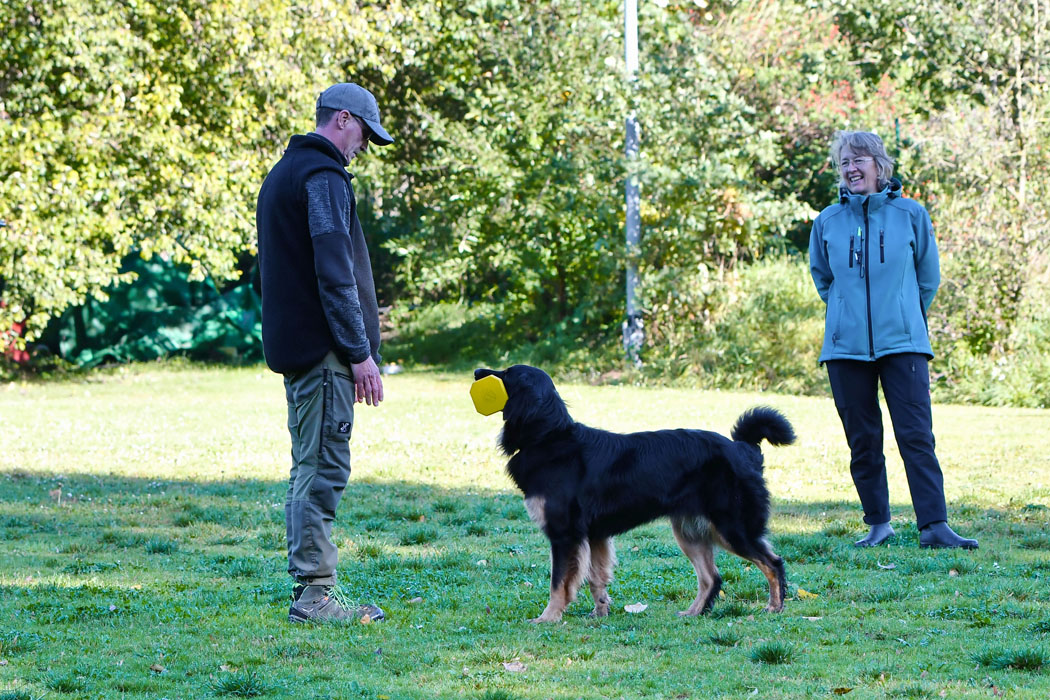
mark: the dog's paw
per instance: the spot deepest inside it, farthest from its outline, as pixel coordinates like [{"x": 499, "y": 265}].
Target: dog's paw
[
  {"x": 773, "y": 608},
  {"x": 545, "y": 617},
  {"x": 600, "y": 611}
]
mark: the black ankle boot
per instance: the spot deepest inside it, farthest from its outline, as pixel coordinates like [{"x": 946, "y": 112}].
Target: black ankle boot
[
  {"x": 876, "y": 536},
  {"x": 939, "y": 536}
]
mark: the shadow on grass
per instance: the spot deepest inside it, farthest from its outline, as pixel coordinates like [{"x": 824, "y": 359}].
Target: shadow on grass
[{"x": 108, "y": 579}]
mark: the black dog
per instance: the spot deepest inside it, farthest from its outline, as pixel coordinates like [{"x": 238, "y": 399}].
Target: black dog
[{"x": 582, "y": 486}]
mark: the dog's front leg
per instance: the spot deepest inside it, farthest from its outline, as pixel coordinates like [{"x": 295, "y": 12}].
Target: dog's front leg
[
  {"x": 569, "y": 561},
  {"x": 603, "y": 560}
]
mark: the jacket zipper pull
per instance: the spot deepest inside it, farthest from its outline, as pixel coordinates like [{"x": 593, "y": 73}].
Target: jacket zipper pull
[
  {"x": 882, "y": 246},
  {"x": 860, "y": 251},
  {"x": 851, "y": 252}
]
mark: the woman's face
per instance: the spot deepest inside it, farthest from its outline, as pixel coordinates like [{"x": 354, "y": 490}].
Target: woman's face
[{"x": 859, "y": 171}]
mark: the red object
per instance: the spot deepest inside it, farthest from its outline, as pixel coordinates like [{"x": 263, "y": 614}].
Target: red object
[{"x": 13, "y": 352}]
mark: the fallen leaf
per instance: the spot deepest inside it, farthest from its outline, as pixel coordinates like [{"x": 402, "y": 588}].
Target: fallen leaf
[
  {"x": 635, "y": 608},
  {"x": 886, "y": 566},
  {"x": 157, "y": 668},
  {"x": 953, "y": 572},
  {"x": 481, "y": 562},
  {"x": 514, "y": 666},
  {"x": 55, "y": 494},
  {"x": 842, "y": 691},
  {"x": 634, "y": 548},
  {"x": 3, "y": 662},
  {"x": 721, "y": 594},
  {"x": 804, "y": 594},
  {"x": 366, "y": 619},
  {"x": 812, "y": 618},
  {"x": 415, "y": 600}
]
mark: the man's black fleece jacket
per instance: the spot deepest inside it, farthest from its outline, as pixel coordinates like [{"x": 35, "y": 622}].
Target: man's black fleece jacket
[{"x": 318, "y": 294}]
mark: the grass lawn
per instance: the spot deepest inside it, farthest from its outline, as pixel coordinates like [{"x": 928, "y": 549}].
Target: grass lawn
[{"x": 142, "y": 556}]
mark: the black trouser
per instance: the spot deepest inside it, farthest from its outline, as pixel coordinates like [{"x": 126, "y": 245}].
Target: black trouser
[{"x": 906, "y": 386}]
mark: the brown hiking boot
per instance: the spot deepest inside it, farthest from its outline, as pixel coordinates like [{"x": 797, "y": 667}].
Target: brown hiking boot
[{"x": 325, "y": 604}]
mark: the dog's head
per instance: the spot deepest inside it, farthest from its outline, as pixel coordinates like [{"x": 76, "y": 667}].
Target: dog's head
[{"x": 533, "y": 410}]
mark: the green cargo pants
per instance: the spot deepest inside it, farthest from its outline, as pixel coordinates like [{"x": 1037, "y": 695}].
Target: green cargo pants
[{"x": 320, "y": 418}]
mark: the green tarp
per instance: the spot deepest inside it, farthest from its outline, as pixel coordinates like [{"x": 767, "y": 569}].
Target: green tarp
[{"x": 161, "y": 314}]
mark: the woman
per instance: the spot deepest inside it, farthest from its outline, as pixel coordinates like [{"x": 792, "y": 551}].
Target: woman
[{"x": 874, "y": 261}]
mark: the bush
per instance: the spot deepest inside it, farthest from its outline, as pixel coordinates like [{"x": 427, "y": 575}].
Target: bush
[{"x": 757, "y": 328}]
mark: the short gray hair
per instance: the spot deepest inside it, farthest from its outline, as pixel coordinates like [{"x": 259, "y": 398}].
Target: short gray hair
[
  {"x": 323, "y": 115},
  {"x": 866, "y": 143}
]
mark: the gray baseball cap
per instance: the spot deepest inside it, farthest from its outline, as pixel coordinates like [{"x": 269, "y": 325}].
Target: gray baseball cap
[{"x": 360, "y": 103}]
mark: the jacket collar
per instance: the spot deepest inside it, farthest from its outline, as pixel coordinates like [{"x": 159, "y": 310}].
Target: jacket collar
[
  {"x": 317, "y": 142},
  {"x": 892, "y": 190}
]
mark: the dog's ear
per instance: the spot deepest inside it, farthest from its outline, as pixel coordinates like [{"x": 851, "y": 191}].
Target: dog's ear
[{"x": 533, "y": 411}]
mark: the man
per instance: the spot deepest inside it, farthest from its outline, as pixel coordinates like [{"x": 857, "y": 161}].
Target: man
[{"x": 320, "y": 330}]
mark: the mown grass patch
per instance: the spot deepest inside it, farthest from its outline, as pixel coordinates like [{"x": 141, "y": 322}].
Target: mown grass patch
[{"x": 157, "y": 569}]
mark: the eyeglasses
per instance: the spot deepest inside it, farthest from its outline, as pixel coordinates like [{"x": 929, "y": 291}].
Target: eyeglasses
[
  {"x": 856, "y": 162},
  {"x": 366, "y": 131}
]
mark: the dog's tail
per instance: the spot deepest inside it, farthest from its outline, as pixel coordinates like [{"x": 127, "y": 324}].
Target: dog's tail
[{"x": 763, "y": 422}]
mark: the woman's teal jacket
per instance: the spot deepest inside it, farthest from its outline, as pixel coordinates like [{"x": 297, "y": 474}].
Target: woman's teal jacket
[{"x": 874, "y": 261}]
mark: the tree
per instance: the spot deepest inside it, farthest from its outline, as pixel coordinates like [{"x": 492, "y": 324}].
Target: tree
[{"x": 146, "y": 127}]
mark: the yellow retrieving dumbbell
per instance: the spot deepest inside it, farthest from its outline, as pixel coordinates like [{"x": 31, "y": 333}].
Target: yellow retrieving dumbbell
[{"x": 489, "y": 395}]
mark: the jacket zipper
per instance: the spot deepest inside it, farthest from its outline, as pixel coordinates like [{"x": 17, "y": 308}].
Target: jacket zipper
[
  {"x": 882, "y": 245},
  {"x": 867, "y": 282}
]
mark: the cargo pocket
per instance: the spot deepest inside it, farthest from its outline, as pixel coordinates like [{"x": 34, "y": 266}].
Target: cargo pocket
[
  {"x": 333, "y": 468},
  {"x": 338, "y": 405},
  {"x": 918, "y": 376}
]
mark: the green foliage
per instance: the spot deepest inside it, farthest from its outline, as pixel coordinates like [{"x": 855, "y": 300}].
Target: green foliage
[
  {"x": 14, "y": 642},
  {"x": 242, "y": 684},
  {"x": 774, "y": 653},
  {"x": 1024, "y": 659},
  {"x": 756, "y": 327},
  {"x": 148, "y": 127},
  {"x": 145, "y": 128},
  {"x": 511, "y": 180}
]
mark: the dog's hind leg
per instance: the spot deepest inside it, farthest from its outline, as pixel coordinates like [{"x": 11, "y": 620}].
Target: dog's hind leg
[
  {"x": 569, "y": 563},
  {"x": 695, "y": 539},
  {"x": 603, "y": 560},
  {"x": 772, "y": 566}
]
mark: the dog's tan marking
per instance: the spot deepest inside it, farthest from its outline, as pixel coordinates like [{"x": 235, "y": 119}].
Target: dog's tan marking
[
  {"x": 695, "y": 537},
  {"x": 536, "y": 508},
  {"x": 776, "y": 598},
  {"x": 765, "y": 565},
  {"x": 603, "y": 561},
  {"x": 565, "y": 591}
]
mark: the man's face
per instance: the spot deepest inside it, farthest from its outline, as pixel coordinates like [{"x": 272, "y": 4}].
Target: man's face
[{"x": 355, "y": 135}]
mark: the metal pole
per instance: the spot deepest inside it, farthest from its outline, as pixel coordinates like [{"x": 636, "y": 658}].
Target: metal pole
[{"x": 633, "y": 332}]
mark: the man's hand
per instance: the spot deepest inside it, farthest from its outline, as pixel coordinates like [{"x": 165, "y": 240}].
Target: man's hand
[{"x": 368, "y": 382}]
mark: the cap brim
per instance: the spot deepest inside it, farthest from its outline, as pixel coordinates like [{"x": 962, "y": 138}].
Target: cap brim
[{"x": 379, "y": 136}]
